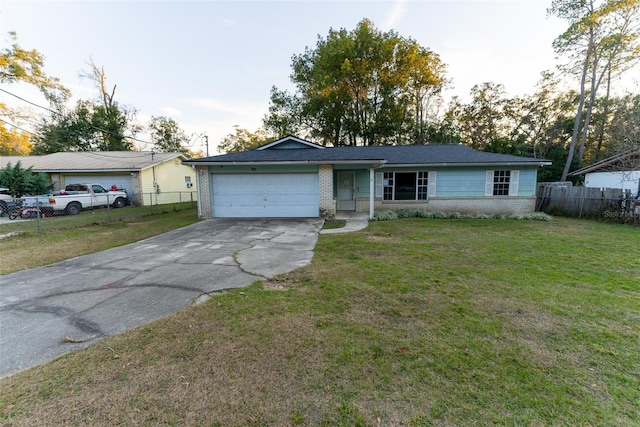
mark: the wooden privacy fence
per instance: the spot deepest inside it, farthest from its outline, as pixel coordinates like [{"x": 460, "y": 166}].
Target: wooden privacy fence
[{"x": 612, "y": 204}]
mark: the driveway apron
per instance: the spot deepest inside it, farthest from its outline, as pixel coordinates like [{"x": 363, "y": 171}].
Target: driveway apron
[{"x": 49, "y": 311}]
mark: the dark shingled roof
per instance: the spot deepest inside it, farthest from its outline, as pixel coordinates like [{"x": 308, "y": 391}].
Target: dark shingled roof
[{"x": 389, "y": 155}]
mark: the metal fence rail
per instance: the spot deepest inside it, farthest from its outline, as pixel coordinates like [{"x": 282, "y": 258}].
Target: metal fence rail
[{"x": 40, "y": 212}]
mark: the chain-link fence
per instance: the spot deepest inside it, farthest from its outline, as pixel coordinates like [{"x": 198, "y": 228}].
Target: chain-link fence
[{"x": 45, "y": 211}]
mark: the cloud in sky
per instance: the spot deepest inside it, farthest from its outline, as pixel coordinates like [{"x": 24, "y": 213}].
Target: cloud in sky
[
  {"x": 396, "y": 13},
  {"x": 235, "y": 108}
]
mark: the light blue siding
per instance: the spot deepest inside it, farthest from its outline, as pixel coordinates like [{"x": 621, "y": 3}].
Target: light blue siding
[
  {"x": 469, "y": 182},
  {"x": 528, "y": 178}
]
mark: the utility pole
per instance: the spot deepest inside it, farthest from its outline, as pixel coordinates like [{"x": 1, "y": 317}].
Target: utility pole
[{"x": 206, "y": 143}]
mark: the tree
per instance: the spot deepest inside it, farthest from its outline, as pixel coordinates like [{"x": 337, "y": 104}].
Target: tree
[
  {"x": 167, "y": 136},
  {"x": 110, "y": 119},
  {"x": 625, "y": 125},
  {"x": 14, "y": 143},
  {"x": 243, "y": 140},
  {"x": 18, "y": 65},
  {"x": 79, "y": 129},
  {"x": 285, "y": 115},
  {"x": 482, "y": 120},
  {"x": 22, "y": 181},
  {"x": 603, "y": 39},
  {"x": 360, "y": 87},
  {"x": 101, "y": 125}
]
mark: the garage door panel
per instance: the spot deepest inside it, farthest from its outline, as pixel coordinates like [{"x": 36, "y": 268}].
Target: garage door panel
[{"x": 265, "y": 195}]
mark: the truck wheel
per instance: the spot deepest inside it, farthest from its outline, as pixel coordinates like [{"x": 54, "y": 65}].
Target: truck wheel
[
  {"x": 74, "y": 208},
  {"x": 119, "y": 203}
]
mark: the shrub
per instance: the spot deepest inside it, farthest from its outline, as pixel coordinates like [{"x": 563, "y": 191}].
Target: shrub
[
  {"x": 385, "y": 215},
  {"x": 407, "y": 213},
  {"x": 537, "y": 216},
  {"x": 481, "y": 216},
  {"x": 455, "y": 215}
]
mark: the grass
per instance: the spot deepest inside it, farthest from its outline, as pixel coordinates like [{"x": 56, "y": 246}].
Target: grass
[
  {"x": 409, "y": 322},
  {"x": 333, "y": 223},
  {"x": 63, "y": 237}
]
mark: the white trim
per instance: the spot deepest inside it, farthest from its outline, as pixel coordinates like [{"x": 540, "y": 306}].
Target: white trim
[
  {"x": 488, "y": 184},
  {"x": 379, "y": 181},
  {"x": 431, "y": 184},
  {"x": 372, "y": 188},
  {"x": 287, "y": 139},
  {"x": 514, "y": 181}
]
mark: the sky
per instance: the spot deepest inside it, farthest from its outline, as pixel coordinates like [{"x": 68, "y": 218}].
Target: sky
[{"x": 210, "y": 65}]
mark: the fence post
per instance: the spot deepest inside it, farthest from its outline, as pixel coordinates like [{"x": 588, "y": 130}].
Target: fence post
[
  {"x": 38, "y": 212},
  {"x": 108, "y": 209}
]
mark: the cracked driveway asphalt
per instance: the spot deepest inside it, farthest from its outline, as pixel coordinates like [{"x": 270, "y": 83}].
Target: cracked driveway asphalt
[{"x": 47, "y": 312}]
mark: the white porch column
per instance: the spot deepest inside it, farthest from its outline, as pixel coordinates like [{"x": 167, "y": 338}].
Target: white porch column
[{"x": 372, "y": 191}]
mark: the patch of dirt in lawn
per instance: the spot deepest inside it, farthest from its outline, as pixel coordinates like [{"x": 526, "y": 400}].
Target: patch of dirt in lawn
[{"x": 281, "y": 283}]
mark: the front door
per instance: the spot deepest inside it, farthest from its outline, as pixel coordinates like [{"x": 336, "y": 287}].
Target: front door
[{"x": 346, "y": 191}]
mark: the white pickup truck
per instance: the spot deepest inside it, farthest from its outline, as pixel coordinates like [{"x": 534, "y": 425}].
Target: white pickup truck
[{"x": 76, "y": 197}]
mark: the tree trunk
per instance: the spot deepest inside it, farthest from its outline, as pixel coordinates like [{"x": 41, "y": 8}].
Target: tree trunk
[{"x": 578, "y": 119}]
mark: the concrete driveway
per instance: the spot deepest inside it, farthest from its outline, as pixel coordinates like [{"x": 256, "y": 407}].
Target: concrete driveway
[{"x": 47, "y": 312}]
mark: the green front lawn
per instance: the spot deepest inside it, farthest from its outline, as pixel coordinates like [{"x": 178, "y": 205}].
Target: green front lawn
[{"x": 409, "y": 322}]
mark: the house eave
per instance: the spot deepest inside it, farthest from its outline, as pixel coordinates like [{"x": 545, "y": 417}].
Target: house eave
[
  {"x": 88, "y": 170},
  {"x": 467, "y": 164},
  {"x": 373, "y": 163}
]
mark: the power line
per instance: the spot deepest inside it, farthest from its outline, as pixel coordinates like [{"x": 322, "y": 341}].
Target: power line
[
  {"x": 17, "y": 127},
  {"x": 60, "y": 114}
]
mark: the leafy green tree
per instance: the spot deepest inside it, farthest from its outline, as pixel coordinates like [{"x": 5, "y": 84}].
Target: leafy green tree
[
  {"x": 625, "y": 125},
  {"x": 167, "y": 136},
  {"x": 22, "y": 181},
  {"x": 243, "y": 140},
  {"x": 359, "y": 87},
  {"x": 285, "y": 115},
  {"x": 603, "y": 40},
  {"x": 100, "y": 125},
  {"x": 18, "y": 65},
  {"x": 483, "y": 119},
  {"x": 87, "y": 127},
  {"x": 539, "y": 121}
]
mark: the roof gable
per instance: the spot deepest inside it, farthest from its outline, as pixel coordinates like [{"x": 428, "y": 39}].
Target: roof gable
[{"x": 289, "y": 142}]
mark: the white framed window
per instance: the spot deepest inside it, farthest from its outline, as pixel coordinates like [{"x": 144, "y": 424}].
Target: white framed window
[
  {"x": 408, "y": 185},
  {"x": 502, "y": 183}
]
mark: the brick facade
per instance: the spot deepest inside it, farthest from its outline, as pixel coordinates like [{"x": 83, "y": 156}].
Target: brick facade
[
  {"x": 467, "y": 205},
  {"x": 325, "y": 181},
  {"x": 204, "y": 196}
]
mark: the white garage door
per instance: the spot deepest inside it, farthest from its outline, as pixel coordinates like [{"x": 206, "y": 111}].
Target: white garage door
[{"x": 265, "y": 195}]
